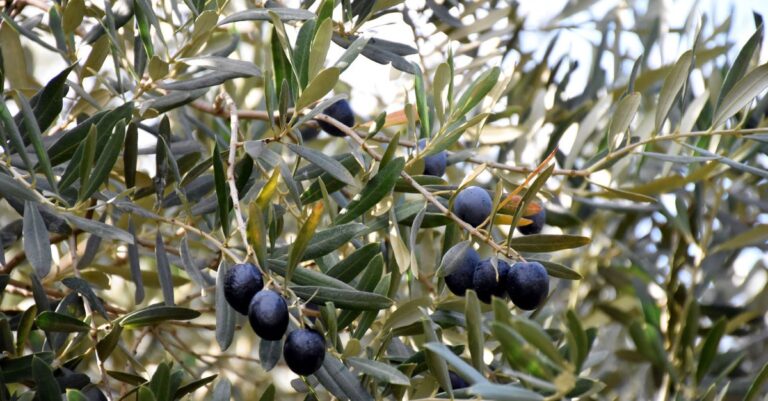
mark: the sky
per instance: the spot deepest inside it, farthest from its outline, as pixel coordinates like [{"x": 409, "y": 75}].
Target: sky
[{"x": 377, "y": 86}]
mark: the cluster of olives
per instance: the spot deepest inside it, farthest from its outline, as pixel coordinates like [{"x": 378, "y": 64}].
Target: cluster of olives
[
  {"x": 526, "y": 283},
  {"x": 304, "y": 349}
]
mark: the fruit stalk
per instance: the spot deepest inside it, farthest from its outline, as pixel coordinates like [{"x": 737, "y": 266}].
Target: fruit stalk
[{"x": 511, "y": 253}]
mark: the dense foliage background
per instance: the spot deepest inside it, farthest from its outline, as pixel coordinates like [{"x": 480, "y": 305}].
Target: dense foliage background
[{"x": 147, "y": 146}]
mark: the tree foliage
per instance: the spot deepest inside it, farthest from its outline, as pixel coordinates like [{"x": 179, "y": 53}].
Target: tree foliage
[{"x": 167, "y": 145}]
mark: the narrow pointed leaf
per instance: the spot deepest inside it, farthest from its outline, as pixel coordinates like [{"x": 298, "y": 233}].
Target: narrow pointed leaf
[
  {"x": 37, "y": 243},
  {"x": 375, "y": 190}
]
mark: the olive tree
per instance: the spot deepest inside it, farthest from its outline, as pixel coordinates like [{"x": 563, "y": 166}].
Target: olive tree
[{"x": 150, "y": 149}]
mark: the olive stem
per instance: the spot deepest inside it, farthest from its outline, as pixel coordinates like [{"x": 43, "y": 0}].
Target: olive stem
[
  {"x": 423, "y": 191},
  {"x": 234, "y": 128}
]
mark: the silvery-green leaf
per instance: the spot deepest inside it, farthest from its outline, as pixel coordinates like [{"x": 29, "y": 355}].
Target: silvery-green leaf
[
  {"x": 37, "y": 243},
  {"x": 225, "y": 315}
]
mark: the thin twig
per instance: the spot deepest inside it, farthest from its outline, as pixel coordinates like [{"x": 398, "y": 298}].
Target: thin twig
[
  {"x": 493, "y": 164},
  {"x": 423, "y": 191},
  {"x": 672, "y": 137},
  {"x": 233, "y": 136}
]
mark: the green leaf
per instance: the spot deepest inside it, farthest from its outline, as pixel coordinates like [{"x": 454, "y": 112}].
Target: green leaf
[
  {"x": 536, "y": 336},
  {"x": 304, "y": 276},
  {"x": 580, "y": 340},
  {"x": 709, "y": 349},
  {"x": 318, "y": 51},
  {"x": 436, "y": 362},
  {"x": 453, "y": 258},
  {"x": 303, "y": 238},
  {"x": 222, "y": 391},
  {"x": 48, "y": 102},
  {"x": 226, "y": 317},
  {"x": 673, "y": 83},
  {"x": 318, "y": 87},
  {"x": 222, "y": 194},
  {"x": 268, "y": 394},
  {"x": 464, "y": 369},
  {"x": 126, "y": 377},
  {"x": 145, "y": 394},
  {"x": 310, "y": 171},
  {"x": 224, "y": 64},
  {"x": 94, "y": 227},
  {"x": 367, "y": 283},
  {"x": 677, "y": 158},
  {"x": 6, "y": 337},
  {"x": 134, "y": 264},
  {"x": 24, "y": 328},
  {"x": 106, "y": 345},
  {"x": 740, "y": 65},
  {"x": 755, "y": 235},
  {"x": 328, "y": 240},
  {"x": 157, "y": 314},
  {"x": 348, "y": 268},
  {"x": 518, "y": 355},
  {"x": 743, "y": 92},
  {"x": 325, "y": 163},
  {"x": 9, "y": 187},
  {"x": 106, "y": 160},
  {"x": 58, "y": 322},
  {"x": 62, "y": 150},
  {"x": 160, "y": 382},
  {"x": 37, "y": 243},
  {"x": 47, "y": 387},
  {"x": 624, "y": 114},
  {"x": 338, "y": 380},
  {"x": 757, "y": 384},
  {"x": 558, "y": 270},
  {"x": 8, "y": 126},
  {"x": 86, "y": 161},
  {"x": 406, "y": 314},
  {"x": 262, "y": 14},
  {"x": 547, "y": 242},
  {"x": 381, "y": 371},
  {"x": 375, "y": 190},
  {"x": 15, "y": 370},
  {"x": 730, "y": 162},
  {"x": 345, "y": 299},
  {"x": 84, "y": 289},
  {"x": 75, "y": 395},
  {"x": 353, "y": 50},
  {"x": 36, "y": 137},
  {"x": 421, "y": 103},
  {"x": 500, "y": 392},
  {"x": 428, "y": 181},
  {"x": 476, "y": 92},
  {"x": 475, "y": 337},
  {"x": 164, "y": 269},
  {"x": 269, "y": 353},
  {"x": 191, "y": 387},
  {"x": 369, "y": 317},
  {"x": 73, "y": 15},
  {"x": 302, "y": 49}
]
